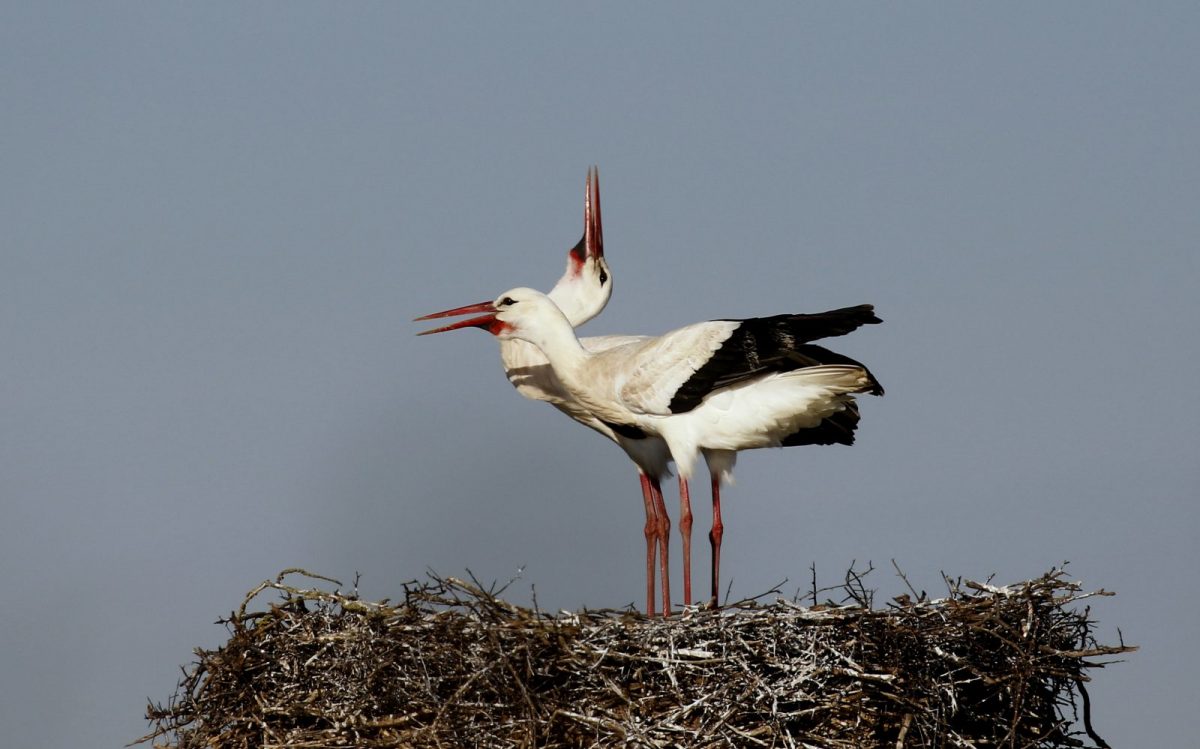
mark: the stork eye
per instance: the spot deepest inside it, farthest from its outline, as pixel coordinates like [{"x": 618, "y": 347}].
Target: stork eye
[
  {"x": 603, "y": 277},
  {"x": 507, "y": 301}
]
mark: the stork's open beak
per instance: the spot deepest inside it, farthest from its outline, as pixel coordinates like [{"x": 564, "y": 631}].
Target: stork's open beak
[
  {"x": 592, "y": 243},
  {"x": 593, "y": 233},
  {"x": 484, "y": 321},
  {"x": 470, "y": 309}
]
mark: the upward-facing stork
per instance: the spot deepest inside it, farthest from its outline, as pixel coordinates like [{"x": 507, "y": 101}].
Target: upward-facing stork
[
  {"x": 714, "y": 388},
  {"x": 582, "y": 293}
]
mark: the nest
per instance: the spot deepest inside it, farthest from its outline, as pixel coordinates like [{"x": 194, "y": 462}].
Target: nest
[{"x": 455, "y": 665}]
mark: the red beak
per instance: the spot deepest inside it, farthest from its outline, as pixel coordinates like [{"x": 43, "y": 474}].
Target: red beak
[
  {"x": 486, "y": 321},
  {"x": 470, "y": 309},
  {"x": 592, "y": 243}
]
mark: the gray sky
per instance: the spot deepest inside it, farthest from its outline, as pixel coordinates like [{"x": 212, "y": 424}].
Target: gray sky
[{"x": 218, "y": 221}]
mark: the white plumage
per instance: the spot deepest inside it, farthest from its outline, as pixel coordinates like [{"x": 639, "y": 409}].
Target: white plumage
[
  {"x": 711, "y": 388},
  {"x": 633, "y": 384}
]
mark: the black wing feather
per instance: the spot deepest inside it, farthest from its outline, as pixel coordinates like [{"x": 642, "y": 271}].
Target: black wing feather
[
  {"x": 833, "y": 430},
  {"x": 772, "y": 344}
]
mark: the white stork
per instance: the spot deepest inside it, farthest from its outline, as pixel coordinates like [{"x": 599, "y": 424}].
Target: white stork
[
  {"x": 582, "y": 293},
  {"x": 715, "y": 388}
]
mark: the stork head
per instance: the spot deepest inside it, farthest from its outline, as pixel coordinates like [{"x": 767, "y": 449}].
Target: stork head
[
  {"x": 526, "y": 314},
  {"x": 584, "y": 288},
  {"x": 586, "y": 285}
]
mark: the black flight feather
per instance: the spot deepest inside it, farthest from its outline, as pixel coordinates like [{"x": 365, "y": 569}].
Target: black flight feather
[
  {"x": 837, "y": 429},
  {"x": 773, "y": 344}
]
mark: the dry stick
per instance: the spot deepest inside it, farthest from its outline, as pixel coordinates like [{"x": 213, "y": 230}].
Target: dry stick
[
  {"x": 1087, "y": 716},
  {"x": 918, "y": 597},
  {"x": 903, "y": 730}
]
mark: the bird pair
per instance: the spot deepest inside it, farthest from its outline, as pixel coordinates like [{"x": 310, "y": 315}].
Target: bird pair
[{"x": 713, "y": 388}]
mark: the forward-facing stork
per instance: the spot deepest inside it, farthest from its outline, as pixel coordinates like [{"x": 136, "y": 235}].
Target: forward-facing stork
[
  {"x": 582, "y": 293},
  {"x": 714, "y": 388}
]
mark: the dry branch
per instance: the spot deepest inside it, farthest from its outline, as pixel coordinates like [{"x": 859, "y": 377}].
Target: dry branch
[{"x": 455, "y": 665}]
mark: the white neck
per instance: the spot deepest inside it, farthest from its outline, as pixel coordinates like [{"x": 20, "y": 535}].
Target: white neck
[
  {"x": 555, "y": 336},
  {"x": 590, "y": 386},
  {"x": 567, "y": 300}
]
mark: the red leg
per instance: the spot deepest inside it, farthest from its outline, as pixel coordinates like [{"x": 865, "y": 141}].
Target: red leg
[
  {"x": 664, "y": 537},
  {"x": 651, "y": 533},
  {"x": 685, "y": 533},
  {"x": 714, "y": 538}
]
